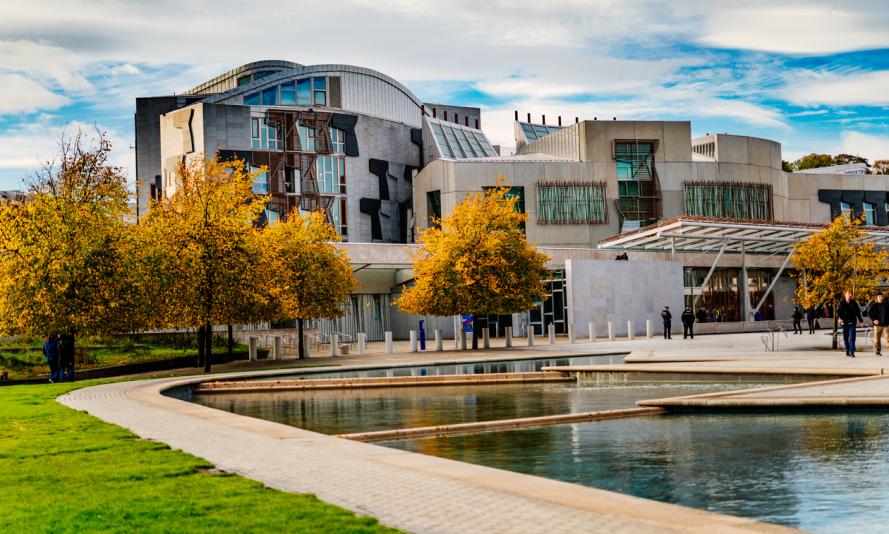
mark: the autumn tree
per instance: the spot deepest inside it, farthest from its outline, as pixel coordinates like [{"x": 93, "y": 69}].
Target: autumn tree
[
  {"x": 307, "y": 276},
  {"x": 200, "y": 250},
  {"x": 835, "y": 259},
  {"x": 62, "y": 248},
  {"x": 477, "y": 262}
]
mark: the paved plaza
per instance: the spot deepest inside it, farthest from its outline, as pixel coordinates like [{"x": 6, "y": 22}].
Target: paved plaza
[{"x": 427, "y": 494}]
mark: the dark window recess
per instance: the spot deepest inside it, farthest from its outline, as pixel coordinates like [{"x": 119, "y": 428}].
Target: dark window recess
[
  {"x": 433, "y": 209},
  {"x": 334, "y": 92}
]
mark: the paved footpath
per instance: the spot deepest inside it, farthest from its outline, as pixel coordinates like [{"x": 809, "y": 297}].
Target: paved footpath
[{"x": 410, "y": 491}]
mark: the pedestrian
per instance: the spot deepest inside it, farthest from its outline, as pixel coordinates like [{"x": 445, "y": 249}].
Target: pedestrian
[
  {"x": 51, "y": 353},
  {"x": 701, "y": 315},
  {"x": 66, "y": 358},
  {"x": 797, "y": 317},
  {"x": 879, "y": 314},
  {"x": 849, "y": 314},
  {"x": 688, "y": 323},
  {"x": 667, "y": 317},
  {"x": 811, "y": 315}
]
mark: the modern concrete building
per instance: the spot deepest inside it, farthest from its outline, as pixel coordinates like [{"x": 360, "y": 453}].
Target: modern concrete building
[{"x": 382, "y": 163}]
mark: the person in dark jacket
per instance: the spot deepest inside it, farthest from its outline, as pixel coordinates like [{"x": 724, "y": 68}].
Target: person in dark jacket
[
  {"x": 811, "y": 316},
  {"x": 797, "y": 317},
  {"x": 879, "y": 314},
  {"x": 66, "y": 358},
  {"x": 667, "y": 317},
  {"x": 688, "y": 323},
  {"x": 51, "y": 353},
  {"x": 849, "y": 314}
]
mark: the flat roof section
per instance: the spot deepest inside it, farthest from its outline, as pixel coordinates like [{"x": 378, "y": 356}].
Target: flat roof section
[{"x": 703, "y": 234}]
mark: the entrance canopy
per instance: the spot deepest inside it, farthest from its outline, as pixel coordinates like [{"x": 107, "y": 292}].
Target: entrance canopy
[{"x": 702, "y": 234}]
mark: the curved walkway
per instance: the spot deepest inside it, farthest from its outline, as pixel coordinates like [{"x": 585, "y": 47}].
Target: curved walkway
[{"x": 402, "y": 489}]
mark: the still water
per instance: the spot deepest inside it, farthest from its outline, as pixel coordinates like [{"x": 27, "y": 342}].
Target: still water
[
  {"x": 364, "y": 410},
  {"x": 822, "y": 473}
]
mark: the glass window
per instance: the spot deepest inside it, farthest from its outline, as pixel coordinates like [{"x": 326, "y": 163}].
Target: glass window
[
  {"x": 304, "y": 92},
  {"x": 252, "y": 99},
  {"x": 320, "y": 98},
  {"x": 262, "y": 74},
  {"x": 270, "y": 96},
  {"x": 319, "y": 84},
  {"x": 254, "y": 133},
  {"x": 870, "y": 214},
  {"x": 260, "y": 182},
  {"x": 307, "y": 138},
  {"x": 244, "y": 80},
  {"x": 433, "y": 208},
  {"x": 338, "y": 139},
  {"x": 328, "y": 180},
  {"x": 571, "y": 203},
  {"x": 288, "y": 94},
  {"x": 726, "y": 200},
  {"x": 341, "y": 168},
  {"x": 320, "y": 91},
  {"x": 846, "y": 208}
]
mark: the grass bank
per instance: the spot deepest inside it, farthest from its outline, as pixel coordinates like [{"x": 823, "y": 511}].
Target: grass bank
[{"x": 65, "y": 471}]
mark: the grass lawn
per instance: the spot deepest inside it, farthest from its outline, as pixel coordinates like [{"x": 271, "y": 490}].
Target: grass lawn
[{"x": 65, "y": 471}]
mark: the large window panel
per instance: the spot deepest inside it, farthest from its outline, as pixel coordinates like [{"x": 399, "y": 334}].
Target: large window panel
[
  {"x": 728, "y": 200},
  {"x": 571, "y": 203}
]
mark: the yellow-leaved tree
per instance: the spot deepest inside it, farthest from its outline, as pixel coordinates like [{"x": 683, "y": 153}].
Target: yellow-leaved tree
[
  {"x": 477, "y": 262},
  {"x": 200, "y": 251},
  {"x": 63, "y": 247},
  {"x": 307, "y": 276},
  {"x": 835, "y": 259}
]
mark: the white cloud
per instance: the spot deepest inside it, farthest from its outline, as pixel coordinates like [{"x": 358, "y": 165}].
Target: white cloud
[
  {"x": 830, "y": 89},
  {"x": 872, "y": 147},
  {"x": 804, "y": 28},
  {"x": 43, "y": 60},
  {"x": 22, "y": 95}
]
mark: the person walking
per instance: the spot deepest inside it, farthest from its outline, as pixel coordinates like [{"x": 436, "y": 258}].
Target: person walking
[
  {"x": 688, "y": 323},
  {"x": 66, "y": 358},
  {"x": 849, "y": 314},
  {"x": 797, "y": 317},
  {"x": 667, "y": 317},
  {"x": 879, "y": 314},
  {"x": 51, "y": 353},
  {"x": 811, "y": 316}
]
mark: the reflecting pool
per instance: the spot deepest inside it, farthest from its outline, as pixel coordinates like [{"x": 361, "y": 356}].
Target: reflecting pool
[
  {"x": 822, "y": 473},
  {"x": 364, "y": 410}
]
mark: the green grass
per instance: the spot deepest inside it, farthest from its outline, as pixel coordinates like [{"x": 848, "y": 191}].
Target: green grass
[{"x": 65, "y": 471}]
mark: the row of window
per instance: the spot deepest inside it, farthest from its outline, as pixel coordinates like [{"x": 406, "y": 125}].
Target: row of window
[
  {"x": 869, "y": 210},
  {"x": 305, "y": 92},
  {"x": 461, "y": 143},
  {"x": 270, "y": 136}
]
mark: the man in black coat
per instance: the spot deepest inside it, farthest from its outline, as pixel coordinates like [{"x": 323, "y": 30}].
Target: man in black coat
[
  {"x": 688, "y": 323},
  {"x": 667, "y": 317},
  {"x": 811, "y": 315},
  {"x": 879, "y": 314},
  {"x": 849, "y": 313}
]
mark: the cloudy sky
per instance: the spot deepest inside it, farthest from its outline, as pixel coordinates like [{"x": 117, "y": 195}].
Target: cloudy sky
[{"x": 812, "y": 75}]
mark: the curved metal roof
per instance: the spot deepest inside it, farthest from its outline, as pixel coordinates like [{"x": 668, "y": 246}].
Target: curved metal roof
[{"x": 266, "y": 64}]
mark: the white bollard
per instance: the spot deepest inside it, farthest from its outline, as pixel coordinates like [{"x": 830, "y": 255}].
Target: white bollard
[
  {"x": 334, "y": 345},
  {"x": 413, "y": 335},
  {"x": 439, "y": 342},
  {"x": 507, "y": 332},
  {"x": 552, "y": 334},
  {"x": 648, "y": 328},
  {"x": 630, "y": 331},
  {"x": 278, "y": 352},
  {"x": 457, "y": 327},
  {"x": 362, "y": 344},
  {"x": 530, "y": 336},
  {"x": 486, "y": 338},
  {"x": 462, "y": 343},
  {"x": 571, "y": 338},
  {"x": 254, "y": 342},
  {"x": 592, "y": 329},
  {"x": 610, "y": 330},
  {"x": 388, "y": 337}
]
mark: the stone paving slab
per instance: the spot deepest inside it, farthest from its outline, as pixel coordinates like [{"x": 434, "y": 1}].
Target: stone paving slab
[{"x": 402, "y": 489}]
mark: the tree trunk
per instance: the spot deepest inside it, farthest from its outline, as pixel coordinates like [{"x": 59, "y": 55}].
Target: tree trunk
[
  {"x": 208, "y": 347},
  {"x": 200, "y": 346},
  {"x": 834, "y": 344},
  {"x": 475, "y": 328},
  {"x": 301, "y": 341},
  {"x": 231, "y": 343}
]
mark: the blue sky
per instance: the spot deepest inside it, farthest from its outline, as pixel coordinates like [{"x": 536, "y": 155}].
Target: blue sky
[{"x": 812, "y": 75}]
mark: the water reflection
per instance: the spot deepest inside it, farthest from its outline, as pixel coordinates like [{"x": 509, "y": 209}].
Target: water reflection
[
  {"x": 363, "y": 410},
  {"x": 826, "y": 473}
]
